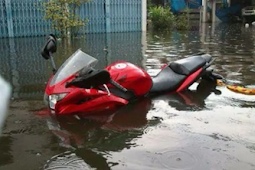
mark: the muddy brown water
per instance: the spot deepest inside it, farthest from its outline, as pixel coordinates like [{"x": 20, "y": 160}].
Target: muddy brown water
[{"x": 200, "y": 129}]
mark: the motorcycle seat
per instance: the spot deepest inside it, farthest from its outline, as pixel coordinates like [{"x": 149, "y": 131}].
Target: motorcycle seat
[
  {"x": 166, "y": 80},
  {"x": 189, "y": 65}
]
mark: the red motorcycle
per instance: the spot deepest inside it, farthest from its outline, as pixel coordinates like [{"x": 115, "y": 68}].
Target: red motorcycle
[{"x": 77, "y": 87}]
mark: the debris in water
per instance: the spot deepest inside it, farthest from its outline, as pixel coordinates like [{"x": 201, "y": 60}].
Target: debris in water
[
  {"x": 38, "y": 154},
  {"x": 18, "y": 122}
]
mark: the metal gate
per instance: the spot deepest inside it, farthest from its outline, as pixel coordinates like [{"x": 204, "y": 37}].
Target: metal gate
[
  {"x": 20, "y": 18},
  {"x": 3, "y": 20}
]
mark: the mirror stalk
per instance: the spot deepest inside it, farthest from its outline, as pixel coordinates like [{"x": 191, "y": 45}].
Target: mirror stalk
[{"x": 54, "y": 69}]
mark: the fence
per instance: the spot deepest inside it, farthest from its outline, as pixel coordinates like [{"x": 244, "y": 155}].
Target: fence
[
  {"x": 20, "y": 18},
  {"x": 27, "y": 72}
]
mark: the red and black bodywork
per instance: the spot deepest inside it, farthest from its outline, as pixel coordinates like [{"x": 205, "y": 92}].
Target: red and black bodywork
[{"x": 89, "y": 90}]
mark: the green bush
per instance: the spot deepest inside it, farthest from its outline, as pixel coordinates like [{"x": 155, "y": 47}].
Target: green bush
[
  {"x": 161, "y": 18},
  {"x": 149, "y": 5},
  {"x": 182, "y": 21},
  {"x": 62, "y": 14}
]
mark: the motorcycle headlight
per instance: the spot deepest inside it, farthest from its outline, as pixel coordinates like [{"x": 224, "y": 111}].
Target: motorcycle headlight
[{"x": 54, "y": 98}]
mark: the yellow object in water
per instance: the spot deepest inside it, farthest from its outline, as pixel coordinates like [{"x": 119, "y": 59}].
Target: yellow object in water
[
  {"x": 238, "y": 89},
  {"x": 220, "y": 83}
]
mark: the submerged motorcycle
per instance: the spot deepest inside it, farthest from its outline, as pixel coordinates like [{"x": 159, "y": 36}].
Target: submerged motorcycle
[
  {"x": 77, "y": 87},
  {"x": 81, "y": 131}
]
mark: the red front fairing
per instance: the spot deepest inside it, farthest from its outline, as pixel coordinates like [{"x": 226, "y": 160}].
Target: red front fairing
[
  {"x": 97, "y": 103},
  {"x": 86, "y": 101},
  {"x": 79, "y": 100}
]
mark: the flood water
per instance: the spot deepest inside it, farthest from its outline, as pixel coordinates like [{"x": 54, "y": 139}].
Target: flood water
[{"x": 200, "y": 129}]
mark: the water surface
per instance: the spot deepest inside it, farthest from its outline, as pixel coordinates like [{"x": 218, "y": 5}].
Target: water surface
[{"x": 200, "y": 129}]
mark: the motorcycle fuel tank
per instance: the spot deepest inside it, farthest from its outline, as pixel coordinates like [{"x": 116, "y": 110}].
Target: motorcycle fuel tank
[{"x": 131, "y": 77}]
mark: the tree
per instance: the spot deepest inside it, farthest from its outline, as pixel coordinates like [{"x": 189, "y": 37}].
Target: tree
[{"x": 62, "y": 14}]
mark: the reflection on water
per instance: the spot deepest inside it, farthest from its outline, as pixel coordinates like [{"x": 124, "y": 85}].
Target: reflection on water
[
  {"x": 67, "y": 160},
  {"x": 118, "y": 130},
  {"x": 206, "y": 127},
  {"x": 5, "y": 147},
  {"x": 22, "y": 65}
]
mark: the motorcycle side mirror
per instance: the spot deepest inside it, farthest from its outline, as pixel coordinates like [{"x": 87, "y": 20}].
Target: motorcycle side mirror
[{"x": 50, "y": 46}]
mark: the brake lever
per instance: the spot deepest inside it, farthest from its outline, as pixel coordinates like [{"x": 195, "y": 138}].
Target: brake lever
[{"x": 108, "y": 91}]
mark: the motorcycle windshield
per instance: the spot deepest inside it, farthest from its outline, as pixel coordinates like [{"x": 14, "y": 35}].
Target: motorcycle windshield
[{"x": 79, "y": 60}]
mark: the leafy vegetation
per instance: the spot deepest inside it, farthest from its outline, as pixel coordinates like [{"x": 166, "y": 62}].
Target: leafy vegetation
[
  {"x": 149, "y": 5},
  {"x": 162, "y": 18},
  {"x": 62, "y": 14},
  {"x": 182, "y": 20}
]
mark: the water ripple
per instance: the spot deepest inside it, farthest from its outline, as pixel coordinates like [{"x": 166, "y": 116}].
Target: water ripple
[
  {"x": 66, "y": 161},
  {"x": 177, "y": 159}
]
